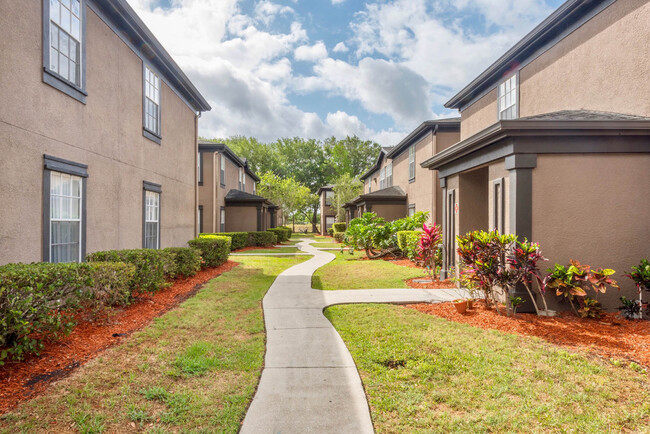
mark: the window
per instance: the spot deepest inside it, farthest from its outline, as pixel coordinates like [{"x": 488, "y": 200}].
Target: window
[
  {"x": 498, "y": 205},
  {"x": 200, "y": 217},
  {"x": 411, "y": 210},
  {"x": 329, "y": 198},
  {"x": 199, "y": 166},
  {"x": 368, "y": 181},
  {"x": 241, "y": 176},
  {"x": 151, "y": 216},
  {"x": 63, "y": 46},
  {"x": 222, "y": 175},
  {"x": 508, "y": 99},
  {"x": 222, "y": 220},
  {"x": 382, "y": 178},
  {"x": 389, "y": 174},
  {"x": 329, "y": 222},
  {"x": 151, "y": 104},
  {"x": 254, "y": 187},
  {"x": 64, "y": 224},
  {"x": 450, "y": 229},
  {"x": 412, "y": 163}
]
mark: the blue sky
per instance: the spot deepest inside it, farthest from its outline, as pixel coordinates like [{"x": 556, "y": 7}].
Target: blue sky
[{"x": 317, "y": 68}]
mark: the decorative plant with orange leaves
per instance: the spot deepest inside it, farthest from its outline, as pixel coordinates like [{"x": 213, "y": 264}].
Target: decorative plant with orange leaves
[
  {"x": 571, "y": 283},
  {"x": 430, "y": 249}
]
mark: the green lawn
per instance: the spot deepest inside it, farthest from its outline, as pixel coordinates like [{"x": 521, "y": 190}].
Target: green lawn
[
  {"x": 194, "y": 369},
  {"x": 348, "y": 272},
  {"x": 326, "y": 245},
  {"x": 278, "y": 250},
  {"x": 426, "y": 374}
]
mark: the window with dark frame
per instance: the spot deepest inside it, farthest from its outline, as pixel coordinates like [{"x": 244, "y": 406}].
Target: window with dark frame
[
  {"x": 498, "y": 205},
  {"x": 199, "y": 167},
  {"x": 151, "y": 215},
  {"x": 450, "y": 236},
  {"x": 64, "y": 215},
  {"x": 329, "y": 197},
  {"x": 151, "y": 101},
  {"x": 200, "y": 219}
]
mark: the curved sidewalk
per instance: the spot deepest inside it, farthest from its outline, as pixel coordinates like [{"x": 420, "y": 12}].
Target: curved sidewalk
[{"x": 310, "y": 382}]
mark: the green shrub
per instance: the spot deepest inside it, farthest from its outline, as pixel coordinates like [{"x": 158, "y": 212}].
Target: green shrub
[
  {"x": 35, "y": 300},
  {"x": 288, "y": 229},
  {"x": 187, "y": 261},
  {"x": 330, "y": 232},
  {"x": 214, "y": 249},
  {"x": 339, "y": 227},
  {"x": 239, "y": 239},
  {"x": 339, "y": 236},
  {"x": 262, "y": 238},
  {"x": 110, "y": 283},
  {"x": 152, "y": 267},
  {"x": 407, "y": 241},
  {"x": 281, "y": 233}
]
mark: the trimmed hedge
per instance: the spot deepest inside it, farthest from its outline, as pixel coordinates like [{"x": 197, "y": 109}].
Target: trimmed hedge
[
  {"x": 339, "y": 236},
  {"x": 37, "y": 300},
  {"x": 187, "y": 261},
  {"x": 289, "y": 230},
  {"x": 239, "y": 240},
  {"x": 282, "y": 233},
  {"x": 152, "y": 267},
  {"x": 214, "y": 249},
  {"x": 407, "y": 241},
  {"x": 262, "y": 238},
  {"x": 339, "y": 227}
]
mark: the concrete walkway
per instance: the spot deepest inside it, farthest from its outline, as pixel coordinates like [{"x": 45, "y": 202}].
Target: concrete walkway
[{"x": 310, "y": 382}]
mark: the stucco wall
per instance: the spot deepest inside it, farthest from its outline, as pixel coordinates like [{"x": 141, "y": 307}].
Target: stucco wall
[
  {"x": 389, "y": 212},
  {"x": 206, "y": 192},
  {"x": 497, "y": 170},
  {"x": 241, "y": 218},
  {"x": 105, "y": 134},
  {"x": 595, "y": 209},
  {"x": 603, "y": 65},
  {"x": 473, "y": 205}
]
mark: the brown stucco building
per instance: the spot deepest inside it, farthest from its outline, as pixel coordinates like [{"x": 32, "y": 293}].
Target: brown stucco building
[
  {"x": 555, "y": 141},
  {"x": 327, "y": 208},
  {"x": 98, "y": 132},
  {"x": 227, "y": 193}
]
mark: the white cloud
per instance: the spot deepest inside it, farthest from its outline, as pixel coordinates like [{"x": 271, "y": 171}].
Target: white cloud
[
  {"x": 311, "y": 53},
  {"x": 338, "y": 2},
  {"x": 266, "y": 11},
  {"x": 340, "y": 48}
]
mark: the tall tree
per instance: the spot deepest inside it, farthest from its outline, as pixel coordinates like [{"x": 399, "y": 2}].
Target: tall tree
[
  {"x": 287, "y": 193},
  {"x": 345, "y": 189},
  {"x": 262, "y": 157},
  {"x": 351, "y": 155}
]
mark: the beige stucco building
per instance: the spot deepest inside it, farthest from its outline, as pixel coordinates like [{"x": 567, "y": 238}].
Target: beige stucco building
[
  {"x": 327, "y": 208},
  {"x": 227, "y": 193},
  {"x": 555, "y": 142},
  {"x": 98, "y": 133}
]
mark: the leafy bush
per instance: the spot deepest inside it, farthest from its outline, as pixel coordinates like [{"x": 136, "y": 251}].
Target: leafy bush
[
  {"x": 214, "y": 249},
  {"x": 288, "y": 230},
  {"x": 281, "y": 233},
  {"x": 641, "y": 275},
  {"x": 110, "y": 283},
  {"x": 570, "y": 283},
  {"x": 590, "y": 308},
  {"x": 339, "y": 236},
  {"x": 152, "y": 267},
  {"x": 631, "y": 309},
  {"x": 187, "y": 261},
  {"x": 407, "y": 241},
  {"x": 330, "y": 232},
  {"x": 339, "y": 227},
  {"x": 35, "y": 300},
  {"x": 429, "y": 249},
  {"x": 262, "y": 238},
  {"x": 239, "y": 240}
]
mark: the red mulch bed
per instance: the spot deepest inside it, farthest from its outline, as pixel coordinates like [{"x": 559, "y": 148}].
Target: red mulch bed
[
  {"x": 20, "y": 381},
  {"x": 609, "y": 337},
  {"x": 436, "y": 284}
]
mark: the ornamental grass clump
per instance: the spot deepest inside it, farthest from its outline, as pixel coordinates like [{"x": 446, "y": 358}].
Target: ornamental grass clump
[
  {"x": 571, "y": 284},
  {"x": 496, "y": 263},
  {"x": 429, "y": 250}
]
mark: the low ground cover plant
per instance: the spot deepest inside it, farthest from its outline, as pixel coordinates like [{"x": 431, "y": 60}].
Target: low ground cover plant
[
  {"x": 152, "y": 267},
  {"x": 214, "y": 249},
  {"x": 640, "y": 275}
]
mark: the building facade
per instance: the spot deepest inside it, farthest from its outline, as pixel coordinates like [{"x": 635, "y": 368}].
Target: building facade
[
  {"x": 327, "y": 208},
  {"x": 555, "y": 141},
  {"x": 98, "y": 131}
]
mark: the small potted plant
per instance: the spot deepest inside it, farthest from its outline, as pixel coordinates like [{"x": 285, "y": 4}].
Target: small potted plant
[{"x": 461, "y": 305}]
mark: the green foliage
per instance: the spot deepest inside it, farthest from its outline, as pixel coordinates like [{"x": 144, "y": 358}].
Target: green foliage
[
  {"x": 288, "y": 229},
  {"x": 339, "y": 227},
  {"x": 345, "y": 189},
  {"x": 282, "y": 234},
  {"x": 152, "y": 267},
  {"x": 262, "y": 238},
  {"x": 287, "y": 193},
  {"x": 407, "y": 241},
  {"x": 239, "y": 240},
  {"x": 339, "y": 236},
  {"x": 34, "y": 302},
  {"x": 214, "y": 249},
  {"x": 515, "y": 302},
  {"x": 110, "y": 283},
  {"x": 330, "y": 232},
  {"x": 429, "y": 249},
  {"x": 590, "y": 308},
  {"x": 641, "y": 275},
  {"x": 631, "y": 309},
  {"x": 187, "y": 261}
]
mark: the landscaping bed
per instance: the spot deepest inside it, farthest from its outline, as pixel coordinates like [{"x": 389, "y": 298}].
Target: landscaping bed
[
  {"x": 611, "y": 337},
  {"x": 23, "y": 380}
]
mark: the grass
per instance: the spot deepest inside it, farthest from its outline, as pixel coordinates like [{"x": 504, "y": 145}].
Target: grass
[
  {"x": 278, "y": 250},
  {"x": 194, "y": 369},
  {"x": 349, "y": 272},
  {"x": 327, "y": 245},
  {"x": 426, "y": 374}
]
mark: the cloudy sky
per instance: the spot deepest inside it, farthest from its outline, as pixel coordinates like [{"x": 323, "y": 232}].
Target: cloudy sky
[{"x": 316, "y": 68}]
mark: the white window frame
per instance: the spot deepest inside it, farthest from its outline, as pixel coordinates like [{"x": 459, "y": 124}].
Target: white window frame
[
  {"x": 412, "y": 163},
  {"x": 411, "y": 212},
  {"x": 382, "y": 178},
  {"x": 241, "y": 173},
  {"x": 329, "y": 222},
  {"x": 243, "y": 177},
  {"x": 222, "y": 170},
  {"x": 508, "y": 98},
  {"x": 329, "y": 197},
  {"x": 222, "y": 219},
  {"x": 151, "y": 207},
  {"x": 151, "y": 99},
  {"x": 389, "y": 174},
  {"x": 66, "y": 213}
]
